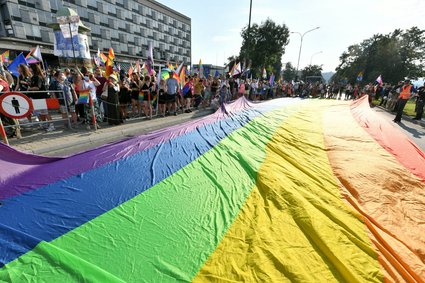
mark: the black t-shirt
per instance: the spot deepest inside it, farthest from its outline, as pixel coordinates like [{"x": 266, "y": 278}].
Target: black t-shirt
[
  {"x": 22, "y": 85},
  {"x": 38, "y": 82},
  {"x": 421, "y": 93},
  {"x": 134, "y": 88}
]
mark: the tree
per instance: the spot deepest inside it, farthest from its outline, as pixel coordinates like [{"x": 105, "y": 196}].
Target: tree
[
  {"x": 289, "y": 73},
  {"x": 395, "y": 56},
  {"x": 312, "y": 70},
  {"x": 264, "y": 46}
]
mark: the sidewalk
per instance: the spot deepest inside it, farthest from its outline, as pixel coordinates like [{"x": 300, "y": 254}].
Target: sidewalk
[
  {"x": 405, "y": 117},
  {"x": 64, "y": 142}
]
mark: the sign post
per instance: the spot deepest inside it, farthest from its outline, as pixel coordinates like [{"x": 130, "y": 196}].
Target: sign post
[
  {"x": 14, "y": 105},
  {"x": 3, "y": 133}
]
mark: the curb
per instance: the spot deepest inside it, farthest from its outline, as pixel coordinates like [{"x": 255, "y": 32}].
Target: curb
[
  {"x": 111, "y": 136},
  {"x": 405, "y": 117}
]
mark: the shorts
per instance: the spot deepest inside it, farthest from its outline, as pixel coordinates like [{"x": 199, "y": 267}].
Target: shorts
[
  {"x": 188, "y": 95},
  {"x": 135, "y": 96},
  {"x": 162, "y": 99},
  {"x": 171, "y": 98}
]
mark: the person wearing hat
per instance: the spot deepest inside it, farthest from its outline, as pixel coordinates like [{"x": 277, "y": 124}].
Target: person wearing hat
[
  {"x": 112, "y": 101},
  {"x": 405, "y": 93}
]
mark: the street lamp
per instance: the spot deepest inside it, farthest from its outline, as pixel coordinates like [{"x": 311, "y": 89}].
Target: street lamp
[
  {"x": 311, "y": 58},
  {"x": 249, "y": 34},
  {"x": 301, "y": 45}
]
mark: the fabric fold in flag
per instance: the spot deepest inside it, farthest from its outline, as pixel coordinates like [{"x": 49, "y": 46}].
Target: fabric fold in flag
[{"x": 256, "y": 192}]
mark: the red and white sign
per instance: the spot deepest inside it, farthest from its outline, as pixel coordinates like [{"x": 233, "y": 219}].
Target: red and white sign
[{"x": 15, "y": 105}]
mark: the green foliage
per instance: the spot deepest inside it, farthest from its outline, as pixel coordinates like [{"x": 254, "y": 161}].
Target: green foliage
[
  {"x": 264, "y": 46},
  {"x": 289, "y": 73},
  {"x": 395, "y": 56},
  {"x": 312, "y": 70}
]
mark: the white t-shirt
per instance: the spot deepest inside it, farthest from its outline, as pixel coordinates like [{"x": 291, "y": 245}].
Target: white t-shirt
[{"x": 90, "y": 85}]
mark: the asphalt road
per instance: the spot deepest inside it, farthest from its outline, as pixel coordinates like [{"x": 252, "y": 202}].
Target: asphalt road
[
  {"x": 63, "y": 143},
  {"x": 414, "y": 131}
]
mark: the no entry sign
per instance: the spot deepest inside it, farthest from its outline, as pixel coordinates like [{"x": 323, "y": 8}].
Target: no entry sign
[{"x": 15, "y": 105}]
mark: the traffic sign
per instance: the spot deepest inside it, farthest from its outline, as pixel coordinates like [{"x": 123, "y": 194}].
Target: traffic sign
[{"x": 15, "y": 105}]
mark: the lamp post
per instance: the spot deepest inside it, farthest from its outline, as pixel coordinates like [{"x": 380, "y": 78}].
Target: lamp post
[
  {"x": 249, "y": 34},
  {"x": 311, "y": 58},
  {"x": 301, "y": 44}
]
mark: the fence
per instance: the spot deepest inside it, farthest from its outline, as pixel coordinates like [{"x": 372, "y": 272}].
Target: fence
[{"x": 40, "y": 106}]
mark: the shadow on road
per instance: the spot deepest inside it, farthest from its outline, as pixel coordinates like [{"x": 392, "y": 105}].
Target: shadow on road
[{"x": 413, "y": 131}]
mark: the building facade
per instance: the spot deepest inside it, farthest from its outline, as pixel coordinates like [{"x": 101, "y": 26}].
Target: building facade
[{"x": 128, "y": 26}]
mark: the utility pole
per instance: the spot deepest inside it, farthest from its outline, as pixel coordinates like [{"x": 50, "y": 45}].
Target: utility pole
[{"x": 301, "y": 45}]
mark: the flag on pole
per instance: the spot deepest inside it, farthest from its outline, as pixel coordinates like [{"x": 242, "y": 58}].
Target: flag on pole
[
  {"x": 109, "y": 70},
  {"x": 216, "y": 75},
  {"x": 103, "y": 58},
  {"x": 182, "y": 77},
  {"x": 271, "y": 80},
  {"x": 149, "y": 61},
  {"x": 96, "y": 60},
  {"x": 201, "y": 69},
  {"x": 111, "y": 54},
  {"x": 236, "y": 69},
  {"x": 179, "y": 68},
  {"x": 138, "y": 69},
  {"x": 31, "y": 60},
  {"x": 36, "y": 53},
  {"x": 13, "y": 67},
  {"x": 5, "y": 56},
  {"x": 158, "y": 78},
  {"x": 130, "y": 71},
  {"x": 379, "y": 80},
  {"x": 360, "y": 77},
  {"x": 264, "y": 73}
]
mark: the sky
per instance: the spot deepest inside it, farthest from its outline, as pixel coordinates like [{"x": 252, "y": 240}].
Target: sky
[{"x": 216, "y": 25}]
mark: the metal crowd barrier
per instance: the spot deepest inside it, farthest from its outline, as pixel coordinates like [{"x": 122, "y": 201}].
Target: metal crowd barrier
[{"x": 54, "y": 105}]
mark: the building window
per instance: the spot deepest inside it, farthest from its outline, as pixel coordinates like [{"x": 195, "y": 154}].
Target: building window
[
  {"x": 123, "y": 38},
  {"x": 105, "y": 33},
  {"x": 100, "y": 7}
]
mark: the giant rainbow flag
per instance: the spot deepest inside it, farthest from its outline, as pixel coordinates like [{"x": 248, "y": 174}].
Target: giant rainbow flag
[{"x": 284, "y": 191}]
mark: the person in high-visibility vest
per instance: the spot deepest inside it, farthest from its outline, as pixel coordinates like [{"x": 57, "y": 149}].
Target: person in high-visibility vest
[{"x": 405, "y": 93}]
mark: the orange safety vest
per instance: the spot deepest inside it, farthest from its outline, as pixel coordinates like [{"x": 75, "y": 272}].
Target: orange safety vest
[{"x": 405, "y": 92}]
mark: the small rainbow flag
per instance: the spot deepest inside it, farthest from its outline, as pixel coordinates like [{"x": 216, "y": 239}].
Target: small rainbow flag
[
  {"x": 84, "y": 97},
  {"x": 31, "y": 60},
  {"x": 111, "y": 54},
  {"x": 141, "y": 95},
  {"x": 154, "y": 100},
  {"x": 103, "y": 58},
  {"x": 5, "y": 56}
]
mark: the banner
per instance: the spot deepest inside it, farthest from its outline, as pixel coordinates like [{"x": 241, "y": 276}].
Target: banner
[{"x": 63, "y": 45}]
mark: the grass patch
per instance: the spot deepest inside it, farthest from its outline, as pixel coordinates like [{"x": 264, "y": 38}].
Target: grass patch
[{"x": 409, "y": 109}]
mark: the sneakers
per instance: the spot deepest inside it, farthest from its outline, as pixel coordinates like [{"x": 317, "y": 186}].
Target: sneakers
[
  {"x": 88, "y": 127},
  {"x": 175, "y": 113}
]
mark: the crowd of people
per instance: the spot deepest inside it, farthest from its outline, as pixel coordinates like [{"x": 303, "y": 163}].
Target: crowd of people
[{"x": 90, "y": 98}]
